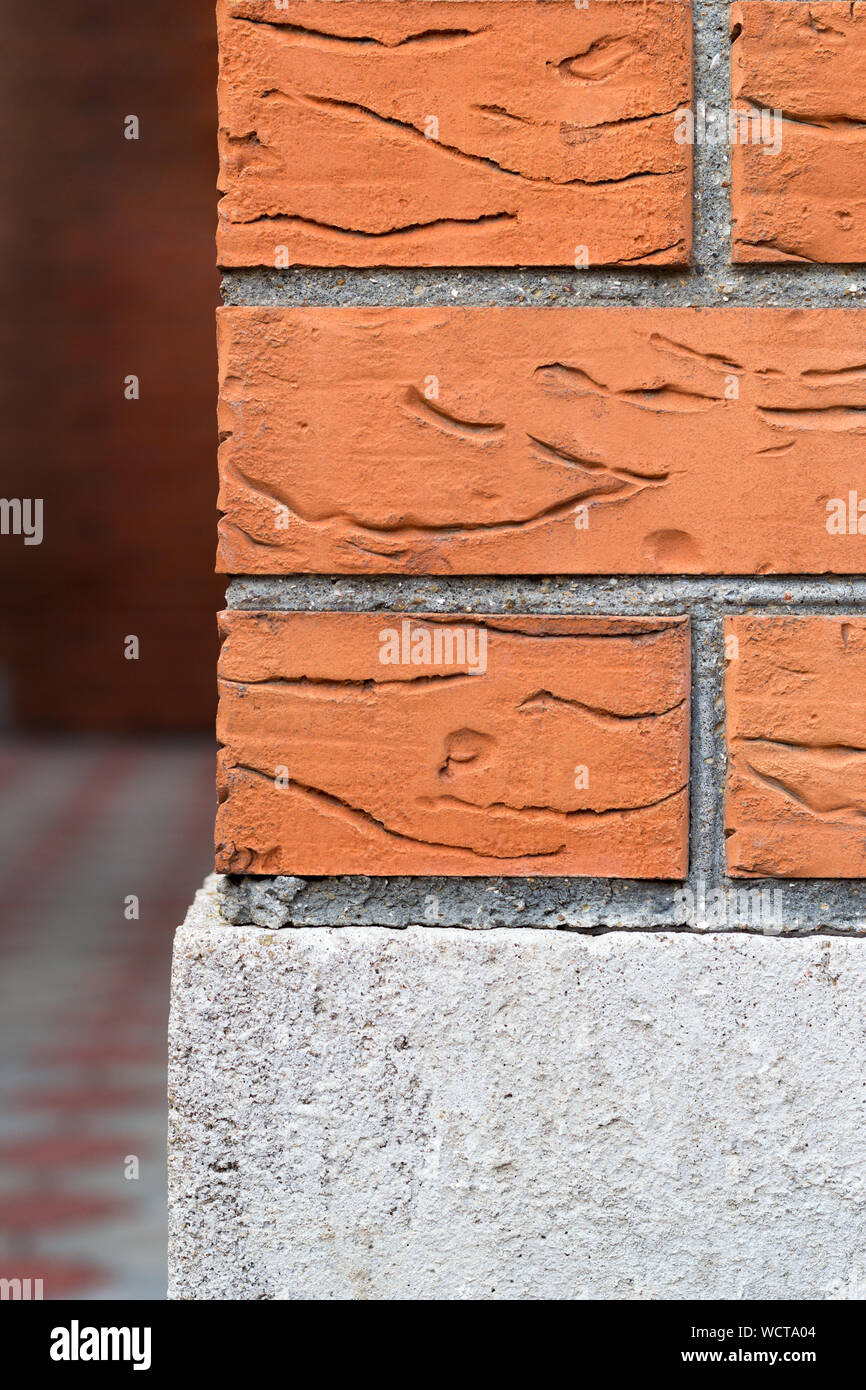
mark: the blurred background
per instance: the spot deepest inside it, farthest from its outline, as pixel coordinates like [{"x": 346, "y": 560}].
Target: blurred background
[{"x": 106, "y": 762}]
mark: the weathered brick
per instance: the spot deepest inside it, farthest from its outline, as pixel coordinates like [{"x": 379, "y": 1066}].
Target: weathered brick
[
  {"x": 440, "y": 132},
  {"x": 807, "y": 199},
  {"x": 565, "y": 752},
  {"x": 796, "y": 728},
  {"x": 584, "y": 441}
]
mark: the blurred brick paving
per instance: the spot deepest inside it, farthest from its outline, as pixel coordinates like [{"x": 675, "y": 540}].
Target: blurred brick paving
[{"x": 84, "y": 824}]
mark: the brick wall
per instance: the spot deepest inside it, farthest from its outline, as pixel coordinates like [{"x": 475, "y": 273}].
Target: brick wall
[{"x": 624, "y": 396}]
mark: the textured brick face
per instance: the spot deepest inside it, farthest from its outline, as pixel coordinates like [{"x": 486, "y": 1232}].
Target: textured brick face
[
  {"x": 808, "y": 200},
  {"x": 453, "y": 745},
  {"x": 796, "y": 727},
  {"x": 542, "y": 440},
  {"x": 433, "y": 132}
]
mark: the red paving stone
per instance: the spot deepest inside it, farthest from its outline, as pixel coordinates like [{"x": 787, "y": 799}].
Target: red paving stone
[
  {"x": 103, "y": 1053},
  {"x": 105, "y": 1023},
  {"x": 69, "y": 1150},
  {"x": 83, "y": 1099},
  {"x": 67, "y": 827},
  {"x": 59, "y": 1280},
  {"x": 47, "y": 1211},
  {"x": 148, "y": 807}
]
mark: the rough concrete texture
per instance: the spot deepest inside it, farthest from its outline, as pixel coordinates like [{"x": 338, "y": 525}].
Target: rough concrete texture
[
  {"x": 435, "y": 1114},
  {"x": 440, "y": 132},
  {"x": 378, "y": 744},
  {"x": 800, "y": 66}
]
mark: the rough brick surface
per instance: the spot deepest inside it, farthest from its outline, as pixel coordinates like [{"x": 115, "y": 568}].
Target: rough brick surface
[
  {"x": 807, "y": 201},
  {"x": 484, "y": 441},
  {"x": 434, "y": 132},
  {"x": 796, "y": 726},
  {"x": 430, "y": 1114},
  {"x": 565, "y": 752}
]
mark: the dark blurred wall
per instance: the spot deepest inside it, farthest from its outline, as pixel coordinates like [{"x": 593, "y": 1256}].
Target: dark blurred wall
[{"x": 107, "y": 270}]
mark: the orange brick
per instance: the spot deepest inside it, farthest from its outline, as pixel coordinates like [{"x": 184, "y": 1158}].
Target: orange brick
[
  {"x": 807, "y": 201},
  {"x": 441, "y": 132},
  {"x": 796, "y": 728},
  {"x": 583, "y": 441},
  {"x": 546, "y": 745}
]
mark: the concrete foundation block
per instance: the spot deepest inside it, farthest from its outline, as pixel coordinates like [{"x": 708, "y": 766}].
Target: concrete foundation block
[{"x": 432, "y": 1113}]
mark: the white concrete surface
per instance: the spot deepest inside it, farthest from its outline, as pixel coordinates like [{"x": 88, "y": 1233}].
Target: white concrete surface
[{"x": 369, "y": 1113}]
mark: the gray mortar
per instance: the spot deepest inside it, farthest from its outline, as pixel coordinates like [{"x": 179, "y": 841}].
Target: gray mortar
[{"x": 577, "y": 904}]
